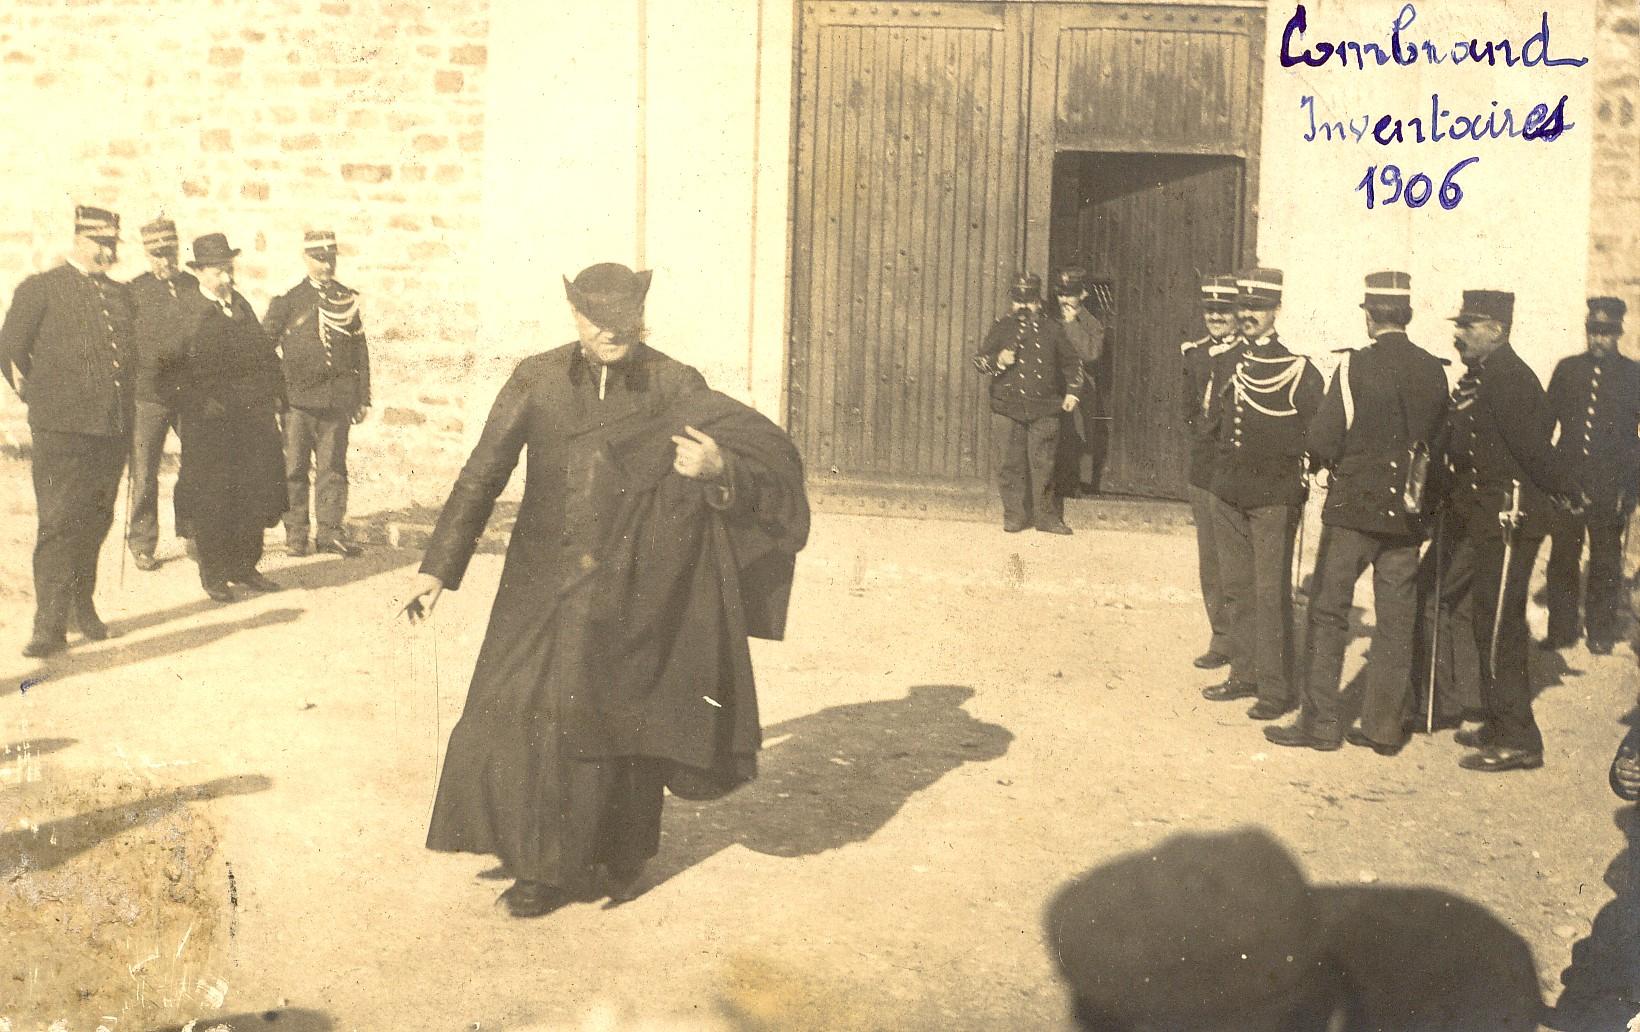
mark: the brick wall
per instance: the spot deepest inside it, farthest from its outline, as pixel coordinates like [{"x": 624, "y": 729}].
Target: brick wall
[
  {"x": 258, "y": 119},
  {"x": 1614, "y": 216}
]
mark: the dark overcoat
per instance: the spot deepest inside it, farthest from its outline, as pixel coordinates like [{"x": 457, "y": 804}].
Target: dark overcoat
[{"x": 1596, "y": 402}]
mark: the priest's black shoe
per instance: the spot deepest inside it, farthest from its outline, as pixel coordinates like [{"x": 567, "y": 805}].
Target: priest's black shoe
[
  {"x": 1356, "y": 736},
  {"x": 1055, "y": 527},
  {"x": 1266, "y": 709},
  {"x": 256, "y": 582},
  {"x": 1557, "y": 641},
  {"x": 1496, "y": 759},
  {"x": 87, "y": 622},
  {"x": 1229, "y": 691},
  {"x": 39, "y": 648},
  {"x": 1013, "y": 528},
  {"x": 623, "y": 882},
  {"x": 337, "y": 546},
  {"x": 1599, "y": 647},
  {"x": 145, "y": 562},
  {"x": 219, "y": 591},
  {"x": 1298, "y": 737},
  {"x": 1210, "y": 660},
  {"x": 534, "y": 899},
  {"x": 1470, "y": 738}
]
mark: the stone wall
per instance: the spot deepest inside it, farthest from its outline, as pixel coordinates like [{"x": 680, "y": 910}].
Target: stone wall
[{"x": 1614, "y": 216}]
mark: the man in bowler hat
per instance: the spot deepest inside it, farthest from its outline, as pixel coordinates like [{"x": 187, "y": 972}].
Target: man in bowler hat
[
  {"x": 156, "y": 296},
  {"x": 1595, "y": 400},
  {"x": 1035, "y": 376},
  {"x": 1209, "y": 361},
  {"x": 65, "y": 348},
  {"x": 320, "y": 335},
  {"x": 1498, "y": 450},
  {"x": 231, "y": 487},
  {"x": 1385, "y": 399}
]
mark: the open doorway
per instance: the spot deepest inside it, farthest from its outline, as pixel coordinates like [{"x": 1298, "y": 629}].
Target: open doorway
[{"x": 1146, "y": 227}]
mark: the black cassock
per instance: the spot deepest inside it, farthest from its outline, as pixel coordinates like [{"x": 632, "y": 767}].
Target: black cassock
[{"x": 615, "y": 661}]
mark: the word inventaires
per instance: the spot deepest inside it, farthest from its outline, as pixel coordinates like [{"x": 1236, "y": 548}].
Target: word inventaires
[{"x": 1542, "y": 123}]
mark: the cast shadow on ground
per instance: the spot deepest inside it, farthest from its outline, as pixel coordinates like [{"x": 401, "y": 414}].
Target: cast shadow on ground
[
  {"x": 1602, "y": 983},
  {"x": 56, "y": 842},
  {"x": 35, "y": 747},
  {"x": 260, "y": 1021},
  {"x": 336, "y": 571},
  {"x": 112, "y": 655},
  {"x": 832, "y": 778}
]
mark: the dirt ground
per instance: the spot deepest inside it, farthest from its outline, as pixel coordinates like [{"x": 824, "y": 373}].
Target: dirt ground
[{"x": 217, "y": 815}]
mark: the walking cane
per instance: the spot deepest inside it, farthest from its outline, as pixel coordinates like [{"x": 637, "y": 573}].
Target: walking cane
[
  {"x": 1298, "y": 553},
  {"x": 125, "y": 540},
  {"x": 1435, "y": 634},
  {"x": 1511, "y": 522}
]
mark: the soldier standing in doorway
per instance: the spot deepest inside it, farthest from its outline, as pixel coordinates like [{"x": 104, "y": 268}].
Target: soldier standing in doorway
[
  {"x": 64, "y": 348},
  {"x": 1035, "y": 375},
  {"x": 1386, "y": 400},
  {"x": 155, "y": 296},
  {"x": 1259, "y": 476},
  {"x": 1087, "y": 336},
  {"x": 1595, "y": 397},
  {"x": 320, "y": 335},
  {"x": 1209, "y": 362}
]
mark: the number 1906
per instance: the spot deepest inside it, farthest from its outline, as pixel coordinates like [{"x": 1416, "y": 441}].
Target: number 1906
[{"x": 1414, "y": 192}]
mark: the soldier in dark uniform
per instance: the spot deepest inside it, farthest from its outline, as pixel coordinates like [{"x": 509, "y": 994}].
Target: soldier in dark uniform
[
  {"x": 226, "y": 375},
  {"x": 1209, "y": 362},
  {"x": 1384, "y": 399},
  {"x": 1035, "y": 375},
  {"x": 320, "y": 334},
  {"x": 1499, "y": 431},
  {"x": 64, "y": 349},
  {"x": 1086, "y": 333},
  {"x": 1264, "y": 411},
  {"x": 1223, "y": 933},
  {"x": 1595, "y": 397},
  {"x": 154, "y": 296}
]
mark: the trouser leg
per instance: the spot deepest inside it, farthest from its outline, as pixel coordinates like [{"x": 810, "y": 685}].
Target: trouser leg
[
  {"x": 76, "y": 481},
  {"x": 1202, "y": 503},
  {"x": 1565, "y": 555},
  {"x": 1046, "y": 506},
  {"x": 1603, "y": 604},
  {"x": 1388, "y": 701},
  {"x": 1010, "y": 439},
  {"x": 1233, "y": 536},
  {"x": 1342, "y": 556},
  {"x": 1273, "y": 528},
  {"x": 151, "y": 423},
  {"x": 330, "y": 476},
  {"x": 1506, "y": 690},
  {"x": 299, "y": 441}
]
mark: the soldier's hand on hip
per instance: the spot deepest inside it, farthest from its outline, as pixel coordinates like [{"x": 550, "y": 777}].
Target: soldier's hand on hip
[
  {"x": 698, "y": 456},
  {"x": 424, "y": 595},
  {"x": 1069, "y": 404},
  {"x": 360, "y": 414},
  {"x": 1626, "y": 773},
  {"x": 1005, "y": 358}
]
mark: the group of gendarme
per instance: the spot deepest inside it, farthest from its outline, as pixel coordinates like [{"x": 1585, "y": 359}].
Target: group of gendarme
[{"x": 107, "y": 369}]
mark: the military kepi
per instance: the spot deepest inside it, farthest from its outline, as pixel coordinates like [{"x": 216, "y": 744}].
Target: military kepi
[
  {"x": 212, "y": 249},
  {"x": 1260, "y": 288},
  {"x": 1070, "y": 282},
  {"x": 1027, "y": 287},
  {"x": 160, "y": 237},
  {"x": 319, "y": 241},
  {"x": 609, "y": 294},
  {"x": 1480, "y": 305},
  {"x": 1606, "y": 314},
  {"x": 96, "y": 223},
  {"x": 1388, "y": 288},
  {"x": 1220, "y": 293}
]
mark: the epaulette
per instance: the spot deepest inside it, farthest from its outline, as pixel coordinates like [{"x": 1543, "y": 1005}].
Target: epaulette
[{"x": 1185, "y": 347}]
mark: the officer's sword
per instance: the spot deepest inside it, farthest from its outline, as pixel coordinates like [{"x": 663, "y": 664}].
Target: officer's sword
[
  {"x": 1435, "y": 634},
  {"x": 1510, "y": 521}
]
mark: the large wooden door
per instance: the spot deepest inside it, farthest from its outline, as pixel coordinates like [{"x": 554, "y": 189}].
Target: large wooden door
[
  {"x": 1143, "y": 166},
  {"x": 908, "y": 226}
]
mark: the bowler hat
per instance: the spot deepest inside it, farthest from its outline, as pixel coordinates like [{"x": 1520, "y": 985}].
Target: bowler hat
[
  {"x": 212, "y": 249},
  {"x": 1606, "y": 314},
  {"x": 1481, "y": 305},
  {"x": 609, "y": 294}
]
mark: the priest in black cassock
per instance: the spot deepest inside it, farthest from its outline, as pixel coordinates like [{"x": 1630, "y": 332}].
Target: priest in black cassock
[{"x": 658, "y": 530}]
